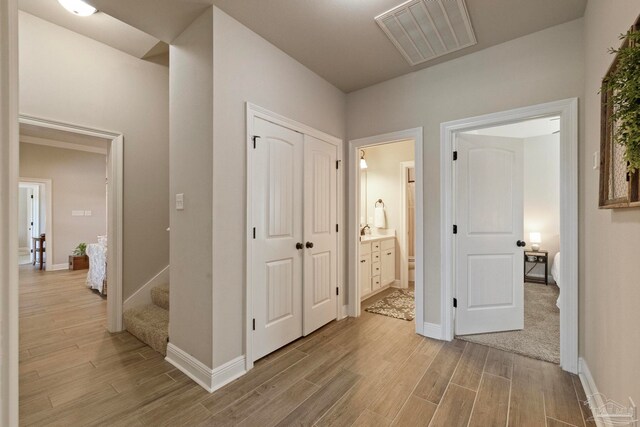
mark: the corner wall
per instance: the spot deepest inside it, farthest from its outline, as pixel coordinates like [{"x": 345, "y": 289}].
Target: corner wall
[
  {"x": 609, "y": 267},
  {"x": 191, "y": 173},
  {"x": 247, "y": 68},
  {"x": 70, "y": 78},
  {"x": 540, "y": 67}
]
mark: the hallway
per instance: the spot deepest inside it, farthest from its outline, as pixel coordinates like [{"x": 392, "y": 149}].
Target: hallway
[{"x": 368, "y": 371}]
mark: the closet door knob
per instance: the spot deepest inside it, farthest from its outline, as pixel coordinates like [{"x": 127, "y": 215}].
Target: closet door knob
[
  {"x": 309, "y": 245},
  {"x": 299, "y": 246},
  {"x": 521, "y": 244}
]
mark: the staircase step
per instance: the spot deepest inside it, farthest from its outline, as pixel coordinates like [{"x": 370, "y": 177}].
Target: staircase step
[
  {"x": 160, "y": 296},
  {"x": 150, "y": 324}
]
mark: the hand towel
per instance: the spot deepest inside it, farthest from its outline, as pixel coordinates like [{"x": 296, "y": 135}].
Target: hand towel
[{"x": 379, "y": 218}]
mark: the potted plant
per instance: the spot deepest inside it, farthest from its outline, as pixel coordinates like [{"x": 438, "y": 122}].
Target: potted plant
[
  {"x": 623, "y": 86},
  {"x": 79, "y": 260}
]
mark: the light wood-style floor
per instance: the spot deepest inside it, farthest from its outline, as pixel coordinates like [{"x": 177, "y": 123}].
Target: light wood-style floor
[{"x": 370, "y": 371}]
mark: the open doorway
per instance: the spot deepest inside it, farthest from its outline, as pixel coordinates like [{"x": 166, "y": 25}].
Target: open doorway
[
  {"x": 78, "y": 175},
  {"x": 535, "y": 146},
  {"x": 385, "y": 217},
  {"x": 484, "y": 242},
  {"x": 31, "y": 218}
]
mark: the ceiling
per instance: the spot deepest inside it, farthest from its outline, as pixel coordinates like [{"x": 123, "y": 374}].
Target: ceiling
[
  {"x": 527, "y": 129},
  {"x": 100, "y": 27},
  {"x": 339, "y": 39},
  {"x": 62, "y": 136}
]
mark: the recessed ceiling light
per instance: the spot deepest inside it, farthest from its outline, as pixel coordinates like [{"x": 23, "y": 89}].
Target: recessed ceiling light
[{"x": 78, "y": 7}]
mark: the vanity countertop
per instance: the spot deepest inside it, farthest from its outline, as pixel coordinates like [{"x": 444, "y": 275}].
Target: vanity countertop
[{"x": 376, "y": 237}]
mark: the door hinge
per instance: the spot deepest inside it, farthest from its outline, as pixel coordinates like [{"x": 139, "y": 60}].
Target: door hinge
[
  {"x": 455, "y": 303},
  {"x": 337, "y": 164},
  {"x": 254, "y": 324},
  {"x": 254, "y": 232},
  {"x": 455, "y": 229},
  {"x": 253, "y": 138},
  {"x": 337, "y": 290},
  {"x": 32, "y": 224},
  {"x": 336, "y": 228},
  {"x": 32, "y": 196},
  {"x": 455, "y": 156}
]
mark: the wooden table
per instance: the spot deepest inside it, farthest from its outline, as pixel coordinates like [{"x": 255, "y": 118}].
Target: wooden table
[{"x": 38, "y": 248}]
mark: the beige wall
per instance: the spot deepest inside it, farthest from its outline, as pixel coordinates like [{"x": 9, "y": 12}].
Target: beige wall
[
  {"x": 191, "y": 166},
  {"x": 70, "y": 78},
  {"x": 609, "y": 267},
  {"x": 384, "y": 181},
  {"x": 249, "y": 69},
  {"x": 537, "y": 68},
  {"x": 542, "y": 193},
  {"x": 78, "y": 183}
]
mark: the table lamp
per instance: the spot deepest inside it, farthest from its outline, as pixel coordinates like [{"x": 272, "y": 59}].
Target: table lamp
[{"x": 535, "y": 239}]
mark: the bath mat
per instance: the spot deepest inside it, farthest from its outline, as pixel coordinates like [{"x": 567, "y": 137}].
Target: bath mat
[{"x": 399, "y": 304}]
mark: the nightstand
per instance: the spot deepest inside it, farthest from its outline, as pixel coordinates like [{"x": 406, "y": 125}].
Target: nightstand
[{"x": 531, "y": 260}]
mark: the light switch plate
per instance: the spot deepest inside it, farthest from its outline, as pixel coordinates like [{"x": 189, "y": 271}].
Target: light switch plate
[
  {"x": 77, "y": 213},
  {"x": 596, "y": 160},
  {"x": 180, "y": 201},
  {"x": 87, "y": 213}
]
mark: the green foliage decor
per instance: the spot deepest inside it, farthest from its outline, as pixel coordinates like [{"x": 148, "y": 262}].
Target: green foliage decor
[
  {"x": 80, "y": 250},
  {"x": 623, "y": 86}
]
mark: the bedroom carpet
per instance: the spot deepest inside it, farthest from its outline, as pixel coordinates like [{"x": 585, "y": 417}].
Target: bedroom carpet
[{"x": 540, "y": 337}]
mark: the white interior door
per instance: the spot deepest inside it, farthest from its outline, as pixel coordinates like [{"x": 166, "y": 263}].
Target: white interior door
[
  {"x": 320, "y": 281},
  {"x": 489, "y": 247},
  {"x": 277, "y": 167}
]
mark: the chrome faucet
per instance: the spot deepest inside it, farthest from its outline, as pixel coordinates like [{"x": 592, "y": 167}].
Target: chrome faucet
[{"x": 362, "y": 230}]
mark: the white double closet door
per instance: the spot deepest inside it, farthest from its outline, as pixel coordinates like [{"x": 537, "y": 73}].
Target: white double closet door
[{"x": 294, "y": 200}]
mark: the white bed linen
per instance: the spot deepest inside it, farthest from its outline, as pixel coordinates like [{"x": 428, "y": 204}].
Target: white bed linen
[
  {"x": 555, "y": 273},
  {"x": 97, "y": 253}
]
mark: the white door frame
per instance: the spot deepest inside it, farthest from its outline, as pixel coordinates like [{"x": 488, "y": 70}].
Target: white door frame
[
  {"x": 255, "y": 111},
  {"x": 115, "y": 162},
  {"x": 404, "y": 225},
  {"x": 48, "y": 216},
  {"x": 568, "y": 111},
  {"x": 354, "y": 217},
  {"x": 9, "y": 165}
]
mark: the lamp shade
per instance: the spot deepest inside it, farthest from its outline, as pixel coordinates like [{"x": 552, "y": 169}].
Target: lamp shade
[{"x": 535, "y": 237}]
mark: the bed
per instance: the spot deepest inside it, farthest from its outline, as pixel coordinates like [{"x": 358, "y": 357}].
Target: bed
[
  {"x": 97, "y": 275},
  {"x": 555, "y": 273}
]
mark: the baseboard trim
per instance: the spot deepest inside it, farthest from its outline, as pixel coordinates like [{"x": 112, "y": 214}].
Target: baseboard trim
[
  {"x": 58, "y": 267},
  {"x": 143, "y": 295},
  {"x": 590, "y": 389},
  {"x": 232, "y": 370},
  {"x": 209, "y": 379},
  {"x": 433, "y": 330}
]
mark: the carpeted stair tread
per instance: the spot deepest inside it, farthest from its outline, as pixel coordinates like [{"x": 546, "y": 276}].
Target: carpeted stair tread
[
  {"x": 150, "y": 324},
  {"x": 160, "y": 296}
]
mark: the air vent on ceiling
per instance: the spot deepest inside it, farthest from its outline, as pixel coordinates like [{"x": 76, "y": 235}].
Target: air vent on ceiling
[{"x": 426, "y": 29}]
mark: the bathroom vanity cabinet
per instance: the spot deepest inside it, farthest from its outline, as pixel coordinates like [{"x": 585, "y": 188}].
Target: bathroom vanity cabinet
[{"x": 377, "y": 264}]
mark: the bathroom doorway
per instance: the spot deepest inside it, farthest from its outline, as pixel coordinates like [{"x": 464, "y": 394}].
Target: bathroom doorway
[{"x": 385, "y": 238}]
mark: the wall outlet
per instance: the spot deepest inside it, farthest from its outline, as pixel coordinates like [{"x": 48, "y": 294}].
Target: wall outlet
[{"x": 180, "y": 201}]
